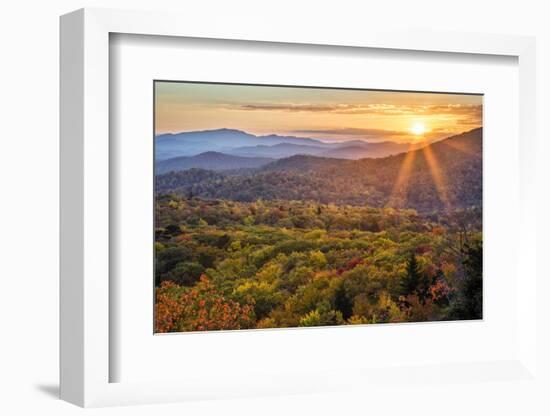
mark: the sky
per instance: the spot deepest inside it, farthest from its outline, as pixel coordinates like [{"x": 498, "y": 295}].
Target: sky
[{"x": 322, "y": 113}]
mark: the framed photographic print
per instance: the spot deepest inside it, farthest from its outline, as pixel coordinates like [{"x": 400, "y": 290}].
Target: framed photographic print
[
  {"x": 280, "y": 213},
  {"x": 281, "y": 207}
]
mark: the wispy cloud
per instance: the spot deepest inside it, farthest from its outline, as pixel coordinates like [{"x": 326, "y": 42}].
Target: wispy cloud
[
  {"x": 469, "y": 121},
  {"x": 290, "y": 107},
  {"x": 375, "y": 109},
  {"x": 351, "y": 131},
  {"x": 372, "y": 135}
]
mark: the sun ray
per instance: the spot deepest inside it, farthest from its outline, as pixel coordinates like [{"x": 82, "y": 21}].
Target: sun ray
[
  {"x": 437, "y": 176},
  {"x": 399, "y": 191}
]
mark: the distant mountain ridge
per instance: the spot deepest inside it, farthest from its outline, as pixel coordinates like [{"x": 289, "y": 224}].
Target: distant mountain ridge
[
  {"x": 278, "y": 151},
  {"x": 240, "y": 143},
  {"x": 210, "y": 161}
]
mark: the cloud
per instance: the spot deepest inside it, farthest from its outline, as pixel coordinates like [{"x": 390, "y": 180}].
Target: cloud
[
  {"x": 374, "y": 135},
  {"x": 352, "y": 131},
  {"x": 454, "y": 108},
  {"x": 469, "y": 121},
  {"x": 374, "y": 109},
  {"x": 292, "y": 107},
  {"x": 330, "y": 108}
]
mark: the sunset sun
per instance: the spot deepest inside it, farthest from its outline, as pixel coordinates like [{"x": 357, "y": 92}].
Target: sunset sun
[{"x": 418, "y": 129}]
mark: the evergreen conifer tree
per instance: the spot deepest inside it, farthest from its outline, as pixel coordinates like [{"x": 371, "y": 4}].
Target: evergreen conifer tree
[{"x": 412, "y": 278}]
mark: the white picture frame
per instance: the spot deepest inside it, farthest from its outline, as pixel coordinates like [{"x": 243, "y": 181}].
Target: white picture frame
[{"x": 85, "y": 210}]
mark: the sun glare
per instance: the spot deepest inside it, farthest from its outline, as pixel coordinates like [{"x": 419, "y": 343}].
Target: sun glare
[{"x": 418, "y": 129}]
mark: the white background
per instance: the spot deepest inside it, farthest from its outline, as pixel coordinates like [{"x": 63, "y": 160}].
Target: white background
[{"x": 29, "y": 209}]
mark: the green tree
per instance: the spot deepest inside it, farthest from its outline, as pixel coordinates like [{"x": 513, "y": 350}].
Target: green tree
[
  {"x": 412, "y": 278},
  {"x": 184, "y": 273},
  {"x": 342, "y": 302},
  {"x": 468, "y": 301},
  {"x": 312, "y": 318}
]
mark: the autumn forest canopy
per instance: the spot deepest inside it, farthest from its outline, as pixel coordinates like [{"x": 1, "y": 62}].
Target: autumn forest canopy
[{"x": 271, "y": 231}]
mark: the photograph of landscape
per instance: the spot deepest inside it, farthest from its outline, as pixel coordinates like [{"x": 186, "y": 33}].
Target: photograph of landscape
[{"x": 285, "y": 207}]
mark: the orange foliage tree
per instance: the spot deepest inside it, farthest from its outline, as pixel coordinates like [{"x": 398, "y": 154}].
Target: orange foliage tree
[{"x": 201, "y": 308}]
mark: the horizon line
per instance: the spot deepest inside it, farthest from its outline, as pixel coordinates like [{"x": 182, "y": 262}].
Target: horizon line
[{"x": 323, "y": 140}]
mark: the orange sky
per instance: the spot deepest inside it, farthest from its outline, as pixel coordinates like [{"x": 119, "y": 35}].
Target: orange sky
[{"x": 329, "y": 114}]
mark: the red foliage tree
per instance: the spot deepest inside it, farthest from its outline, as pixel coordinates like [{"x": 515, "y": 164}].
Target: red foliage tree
[{"x": 200, "y": 308}]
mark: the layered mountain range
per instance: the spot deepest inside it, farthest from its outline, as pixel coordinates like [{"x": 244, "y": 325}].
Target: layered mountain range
[
  {"x": 239, "y": 143},
  {"x": 443, "y": 175}
]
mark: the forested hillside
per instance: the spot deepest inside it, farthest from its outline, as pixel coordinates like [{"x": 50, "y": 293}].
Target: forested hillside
[{"x": 233, "y": 265}]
